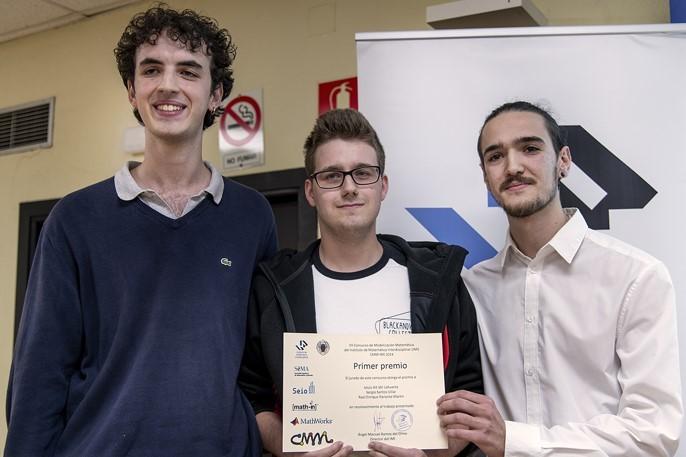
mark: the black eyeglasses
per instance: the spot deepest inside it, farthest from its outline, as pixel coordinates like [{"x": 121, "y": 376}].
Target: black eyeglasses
[{"x": 331, "y": 179}]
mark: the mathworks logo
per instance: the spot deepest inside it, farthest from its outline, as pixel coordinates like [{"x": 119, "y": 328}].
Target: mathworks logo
[{"x": 312, "y": 421}]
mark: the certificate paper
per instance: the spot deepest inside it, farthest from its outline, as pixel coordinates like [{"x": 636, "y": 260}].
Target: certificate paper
[{"x": 361, "y": 388}]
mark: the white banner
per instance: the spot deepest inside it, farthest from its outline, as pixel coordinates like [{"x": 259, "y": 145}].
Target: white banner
[{"x": 618, "y": 91}]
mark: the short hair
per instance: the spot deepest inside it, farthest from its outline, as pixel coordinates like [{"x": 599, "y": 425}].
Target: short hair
[
  {"x": 187, "y": 27},
  {"x": 343, "y": 124},
  {"x": 551, "y": 126}
]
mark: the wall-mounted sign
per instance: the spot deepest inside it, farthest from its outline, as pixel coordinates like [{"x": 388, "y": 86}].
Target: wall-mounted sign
[
  {"x": 241, "y": 132},
  {"x": 338, "y": 94}
]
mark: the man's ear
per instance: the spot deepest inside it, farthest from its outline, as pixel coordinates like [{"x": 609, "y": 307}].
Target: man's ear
[
  {"x": 483, "y": 174},
  {"x": 384, "y": 187},
  {"x": 132, "y": 93},
  {"x": 309, "y": 192},
  {"x": 216, "y": 97},
  {"x": 564, "y": 162}
]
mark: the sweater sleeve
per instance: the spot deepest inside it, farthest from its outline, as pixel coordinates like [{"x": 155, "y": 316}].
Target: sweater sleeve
[
  {"x": 254, "y": 378},
  {"x": 47, "y": 351}
]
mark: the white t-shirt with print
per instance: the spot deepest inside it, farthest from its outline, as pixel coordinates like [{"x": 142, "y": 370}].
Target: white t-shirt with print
[{"x": 375, "y": 300}]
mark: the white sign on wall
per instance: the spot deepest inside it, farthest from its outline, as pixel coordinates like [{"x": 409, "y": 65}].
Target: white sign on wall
[
  {"x": 241, "y": 132},
  {"x": 619, "y": 92}
]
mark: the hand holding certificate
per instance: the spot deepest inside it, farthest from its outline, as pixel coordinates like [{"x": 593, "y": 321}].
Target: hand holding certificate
[{"x": 361, "y": 388}]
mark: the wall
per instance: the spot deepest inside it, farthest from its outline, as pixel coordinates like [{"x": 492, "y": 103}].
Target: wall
[{"x": 285, "y": 48}]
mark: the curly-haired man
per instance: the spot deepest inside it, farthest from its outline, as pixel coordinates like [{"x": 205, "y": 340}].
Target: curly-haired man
[{"x": 134, "y": 320}]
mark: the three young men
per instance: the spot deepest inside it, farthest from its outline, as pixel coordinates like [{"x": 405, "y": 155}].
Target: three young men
[
  {"x": 134, "y": 321},
  {"x": 353, "y": 281},
  {"x": 578, "y": 329}
]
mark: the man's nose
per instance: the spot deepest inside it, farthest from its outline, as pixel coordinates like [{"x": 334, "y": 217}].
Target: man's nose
[
  {"x": 513, "y": 163},
  {"x": 168, "y": 81},
  {"x": 348, "y": 184}
]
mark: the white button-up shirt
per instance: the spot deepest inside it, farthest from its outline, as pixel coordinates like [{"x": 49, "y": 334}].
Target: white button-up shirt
[{"x": 579, "y": 347}]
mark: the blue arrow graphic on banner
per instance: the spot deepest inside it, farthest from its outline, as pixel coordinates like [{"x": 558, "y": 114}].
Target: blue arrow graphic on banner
[{"x": 449, "y": 227}]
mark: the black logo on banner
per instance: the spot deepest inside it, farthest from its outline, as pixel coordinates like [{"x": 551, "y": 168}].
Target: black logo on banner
[{"x": 625, "y": 188}]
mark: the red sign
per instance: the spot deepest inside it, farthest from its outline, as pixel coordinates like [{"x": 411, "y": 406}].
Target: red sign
[
  {"x": 338, "y": 94},
  {"x": 241, "y": 120}
]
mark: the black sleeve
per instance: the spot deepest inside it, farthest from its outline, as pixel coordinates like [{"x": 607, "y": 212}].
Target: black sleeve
[
  {"x": 467, "y": 374},
  {"x": 254, "y": 378}
]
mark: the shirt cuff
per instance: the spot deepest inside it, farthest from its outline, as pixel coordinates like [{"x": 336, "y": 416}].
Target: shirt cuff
[{"x": 522, "y": 440}]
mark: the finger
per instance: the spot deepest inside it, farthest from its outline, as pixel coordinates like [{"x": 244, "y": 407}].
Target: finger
[
  {"x": 475, "y": 436},
  {"x": 464, "y": 395},
  {"x": 395, "y": 451},
  {"x": 460, "y": 420},
  {"x": 376, "y": 454},
  {"x": 344, "y": 452},
  {"x": 455, "y": 405},
  {"x": 482, "y": 409},
  {"x": 328, "y": 451}
]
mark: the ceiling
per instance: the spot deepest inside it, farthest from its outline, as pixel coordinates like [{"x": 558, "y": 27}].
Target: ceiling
[{"x": 23, "y": 17}]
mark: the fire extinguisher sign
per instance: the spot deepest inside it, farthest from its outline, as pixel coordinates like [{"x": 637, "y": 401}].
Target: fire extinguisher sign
[{"x": 338, "y": 94}]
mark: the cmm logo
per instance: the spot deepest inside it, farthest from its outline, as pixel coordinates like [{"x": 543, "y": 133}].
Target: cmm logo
[
  {"x": 600, "y": 182},
  {"x": 310, "y": 439}
]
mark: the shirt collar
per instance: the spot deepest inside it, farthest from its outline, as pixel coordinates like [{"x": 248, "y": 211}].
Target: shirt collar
[
  {"x": 566, "y": 241},
  {"x": 127, "y": 188}
]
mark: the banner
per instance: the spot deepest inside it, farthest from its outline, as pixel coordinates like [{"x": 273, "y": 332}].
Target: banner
[{"x": 617, "y": 90}]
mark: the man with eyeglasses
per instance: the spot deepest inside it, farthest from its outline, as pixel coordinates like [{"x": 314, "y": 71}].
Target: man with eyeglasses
[{"x": 353, "y": 281}]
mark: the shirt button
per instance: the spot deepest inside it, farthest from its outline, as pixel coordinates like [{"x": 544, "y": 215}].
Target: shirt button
[
  {"x": 530, "y": 372},
  {"x": 530, "y": 319}
]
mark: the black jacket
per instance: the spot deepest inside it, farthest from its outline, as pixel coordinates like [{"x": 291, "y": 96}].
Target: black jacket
[{"x": 282, "y": 300}]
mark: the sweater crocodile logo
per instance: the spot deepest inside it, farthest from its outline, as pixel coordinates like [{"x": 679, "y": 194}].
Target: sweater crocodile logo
[{"x": 224, "y": 261}]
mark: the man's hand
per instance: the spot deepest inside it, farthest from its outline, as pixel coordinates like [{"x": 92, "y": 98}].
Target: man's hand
[
  {"x": 378, "y": 449},
  {"x": 473, "y": 417},
  {"x": 337, "y": 449}
]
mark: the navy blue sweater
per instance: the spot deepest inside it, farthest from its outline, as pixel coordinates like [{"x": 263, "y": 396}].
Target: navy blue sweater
[{"x": 133, "y": 329}]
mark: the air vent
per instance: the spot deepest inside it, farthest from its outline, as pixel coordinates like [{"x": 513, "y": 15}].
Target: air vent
[{"x": 26, "y": 127}]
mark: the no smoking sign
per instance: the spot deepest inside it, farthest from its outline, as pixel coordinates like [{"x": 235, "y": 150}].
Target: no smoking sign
[{"x": 241, "y": 134}]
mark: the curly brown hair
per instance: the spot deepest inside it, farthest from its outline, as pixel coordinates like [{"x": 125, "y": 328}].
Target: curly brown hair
[{"x": 187, "y": 27}]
